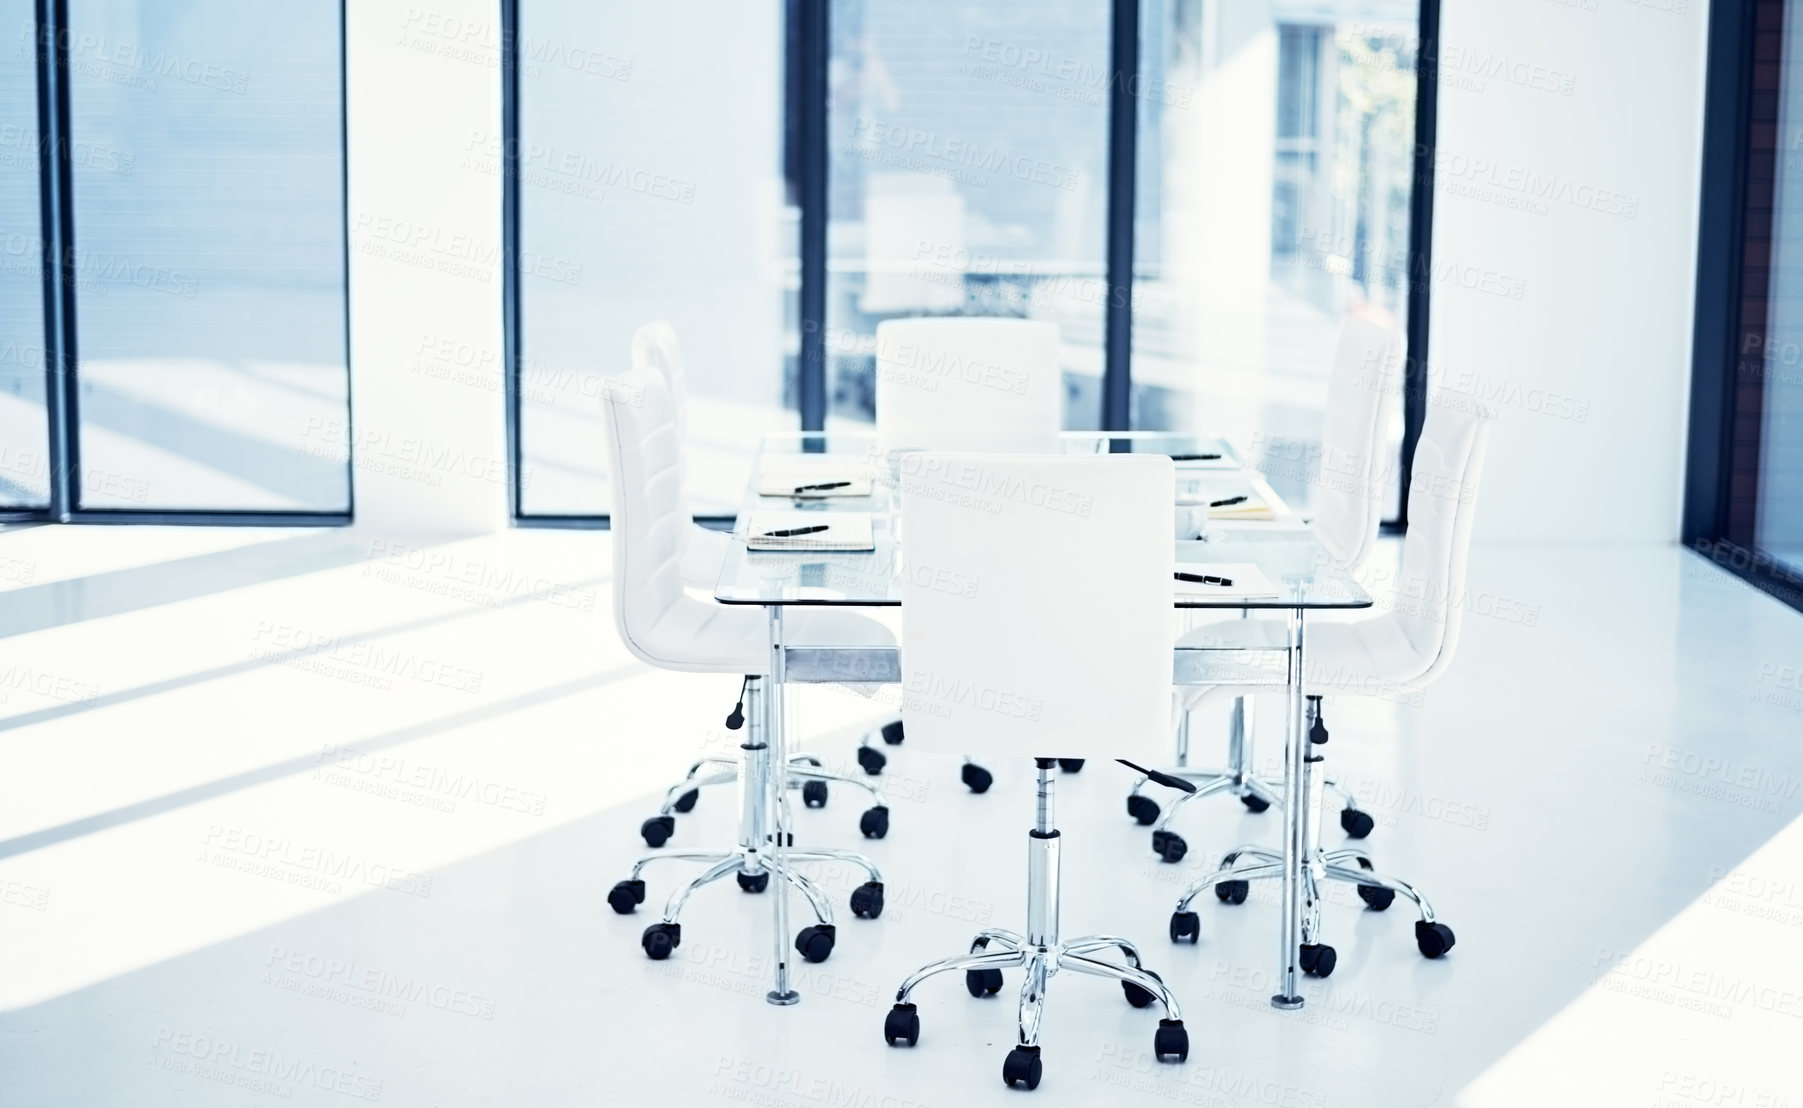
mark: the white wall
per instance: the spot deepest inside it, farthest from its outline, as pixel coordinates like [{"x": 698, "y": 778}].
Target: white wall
[
  {"x": 425, "y": 224},
  {"x": 1592, "y": 361}
]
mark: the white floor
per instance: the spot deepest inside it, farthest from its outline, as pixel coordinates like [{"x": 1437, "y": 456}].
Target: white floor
[{"x": 321, "y": 817}]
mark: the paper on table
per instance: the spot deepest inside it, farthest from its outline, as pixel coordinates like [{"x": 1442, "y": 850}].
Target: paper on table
[
  {"x": 847, "y": 531},
  {"x": 1249, "y": 582},
  {"x": 789, "y": 475},
  {"x": 1253, "y": 506}
]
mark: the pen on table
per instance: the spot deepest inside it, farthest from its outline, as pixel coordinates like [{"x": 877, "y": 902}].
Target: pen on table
[
  {"x": 1224, "y": 503},
  {"x": 793, "y": 532},
  {"x": 1204, "y": 579},
  {"x": 1195, "y": 457},
  {"x": 822, "y": 486}
]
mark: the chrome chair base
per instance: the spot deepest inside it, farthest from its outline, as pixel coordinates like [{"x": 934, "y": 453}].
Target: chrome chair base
[
  {"x": 1231, "y": 880},
  {"x": 1041, "y": 954},
  {"x": 763, "y": 822},
  {"x": 1256, "y": 792},
  {"x": 806, "y": 773}
]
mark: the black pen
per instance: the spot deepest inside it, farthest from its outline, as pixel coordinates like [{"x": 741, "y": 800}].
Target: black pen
[
  {"x": 1203, "y": 579},
  {"x": 823, "y": 486},
  {"x": 1224, "y": 503},
  {"x": 793, "y": 532},
  {"x": 1195, "y": 457}
]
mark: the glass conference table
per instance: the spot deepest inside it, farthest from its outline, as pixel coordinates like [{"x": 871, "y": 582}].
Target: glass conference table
[{"x": 1283, "y": 548}]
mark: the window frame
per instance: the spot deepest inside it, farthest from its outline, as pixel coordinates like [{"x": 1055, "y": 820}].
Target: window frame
[
  {"x": 807, "y": 32},
  {"x": 61, "y": 356},
  {"x": 1711, "y": 525}
]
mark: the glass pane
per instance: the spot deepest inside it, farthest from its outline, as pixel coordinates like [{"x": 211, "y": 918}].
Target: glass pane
[
  {"x": 968, "y": 154},
  {"x": 648, "y": 194},
  {"x": 1772, "y": 364},
  {"x": 1275, "y": 171},
  {"x": 24, "y": 432},
  {"x": 208, "y": 160}
]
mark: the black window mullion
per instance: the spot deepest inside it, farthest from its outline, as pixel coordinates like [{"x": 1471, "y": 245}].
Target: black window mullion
[
  {"x": 1421, "y": 243},
  {"x": 1123, "y": 144},
  {"x": 57, "y": 230},
  {"x": 813, "y": 43}
]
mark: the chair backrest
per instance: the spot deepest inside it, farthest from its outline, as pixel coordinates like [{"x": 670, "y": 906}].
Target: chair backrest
[
  {"x": 1354, "y": 483},
  {"x": 1430, "y": 594},
  {"x": 654, "y": 347},
  {"x": 1037, "y": 614},
  {"x": 954, "y": 374},
  {"x": 649, "y": 519}
]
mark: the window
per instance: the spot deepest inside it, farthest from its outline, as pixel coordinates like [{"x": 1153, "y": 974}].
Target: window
[
  {"x": 1746, "y": 434},
  {"x": 968, "y": 174},
  {"x": 196, "y": 149},
  {"x": 972, "y": 159},
  {"x": 649, "y": 169},
  {"x": 24, "y": 423},
  {"x": 1275, "y": 174}
]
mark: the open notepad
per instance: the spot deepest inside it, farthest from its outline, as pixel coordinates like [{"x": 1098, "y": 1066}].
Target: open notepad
[
  {"x": 1236, "y": 503},
  {"x": 1245, "y": 582},
  {"x": 814, "y": 476},
  {"x": 847, "y": 531}
]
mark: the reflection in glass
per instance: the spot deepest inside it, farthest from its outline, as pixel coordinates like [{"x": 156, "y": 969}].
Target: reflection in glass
[
  {"x": 650, "y": 147},
  {"x": 207, "y": 163},
  {"x": 968, "y": 151},
  {"x": 1274, "y": 183}
]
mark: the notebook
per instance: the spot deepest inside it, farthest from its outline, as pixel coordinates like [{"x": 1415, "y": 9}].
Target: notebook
[
  {"x": 1249, "y": 582},
  {"x": 846, "y": 531},
  {"x": 814, "y": 476}
]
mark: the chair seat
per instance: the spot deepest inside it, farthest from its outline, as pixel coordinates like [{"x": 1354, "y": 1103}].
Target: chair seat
[{"x": 1367, "y": 657}]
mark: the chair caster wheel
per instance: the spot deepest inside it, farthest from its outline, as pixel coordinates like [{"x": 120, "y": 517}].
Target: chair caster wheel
[
  {"x": 872, "y": 760},
  {"x": 867, "y": 900},
  {"x": 686, "y": 802},
  {"x": 1254, "y": 803},
  {"x": 1171, "y": 1043},
  {"x": 816, "y": 941},
  {"x": 1169, "y": 845},
  {"x": 1143, "y": 809},
  {"x": 1137, "y": 996},
  {"x": 1232, "y": 892},
  {"x": 657, "y": 830},
  {"x": 813, "y": 794},
  {"x": 1377, "y": 897},
  {"x": 976, "y": 778},
  {"x": 753, "y": 882},
  {"x": 1022, "y": 1067},
  {"x": 1317, "y": 960},
  {"x": 1185, "y": 925},
  {"x": 983, "y": 982},
  {"x": 1434, "y": 939},
  {"x": 1071, "y": 765},
  {"x": 626, "y": 896},
  {"x": 874, "y": 823},
  {"x": 1357, "y": 824},
  {"x": 901, "y": 1025},
  {"x": 892, "y": 732},
  {"x": 660, "y": 939}
]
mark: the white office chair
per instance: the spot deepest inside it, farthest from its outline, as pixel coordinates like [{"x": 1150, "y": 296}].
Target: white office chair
[
  {"x": 654, "y": 347},
  {"x": 702, "y": 550},
  {"x": 1062, "y": 648},
  {"x": 1351, "y": 487},
  {"x": 940, "y": 377},
  {"x": 665, "y": 627},
  {"x": 1402, "y": 649}
]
